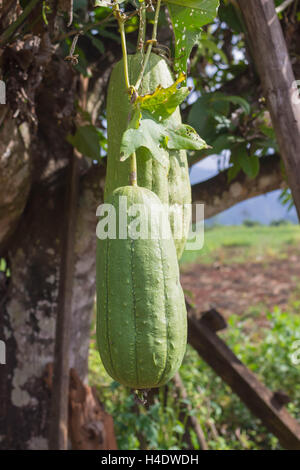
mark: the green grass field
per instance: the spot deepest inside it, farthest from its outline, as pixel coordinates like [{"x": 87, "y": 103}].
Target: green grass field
[{"x": 227, "y": 244}]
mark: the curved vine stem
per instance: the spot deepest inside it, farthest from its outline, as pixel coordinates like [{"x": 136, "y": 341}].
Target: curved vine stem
[
  {"x": 153, "y": 41},
  {"x": 121, "y": 22}
]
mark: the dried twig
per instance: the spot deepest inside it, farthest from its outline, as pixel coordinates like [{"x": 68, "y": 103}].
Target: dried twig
[
  {"x": 85, "y": 29},
  {"x": 73, "y": 58},
  {"x": 186, "y": 410},
  {"x": 283, "y": 6},
  {"x": 70, "y": 13}
]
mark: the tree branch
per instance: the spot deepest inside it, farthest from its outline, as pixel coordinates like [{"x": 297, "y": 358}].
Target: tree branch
[
  {"x": 218, "y": 195},
  {"x": 283, "y": 6}
]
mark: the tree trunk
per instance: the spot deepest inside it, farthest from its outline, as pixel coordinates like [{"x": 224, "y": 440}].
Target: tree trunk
[
  {"x": 41, "y": 98},
  {"x": 29, "y": 309},
  {"x": 269, "y": 50},
  {"x": 15, "y": 175}
]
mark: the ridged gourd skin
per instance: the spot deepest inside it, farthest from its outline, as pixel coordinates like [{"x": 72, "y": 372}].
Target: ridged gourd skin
[
  {"x": 141, "y": 312},
  {"x": 172, "y": 184}
]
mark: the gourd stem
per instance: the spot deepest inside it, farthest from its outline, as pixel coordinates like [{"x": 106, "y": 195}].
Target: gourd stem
[
  {"x": 120, "y": 20},
  {"x": 153, "y": 40},
  {"x": 133, "y": 170},
  {"x": 118, "y": 15}
]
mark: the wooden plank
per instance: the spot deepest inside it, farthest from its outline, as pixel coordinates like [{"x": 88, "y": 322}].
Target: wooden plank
[
  {"x": 268, "y": 47},
  {"x": 256, "y": 396},
  {"x": 213, "y": 320}
]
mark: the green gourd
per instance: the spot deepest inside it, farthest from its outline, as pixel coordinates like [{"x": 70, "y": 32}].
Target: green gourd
[
  {"x": 141, "y": 312},
  {"x": 171, "y": 184}
]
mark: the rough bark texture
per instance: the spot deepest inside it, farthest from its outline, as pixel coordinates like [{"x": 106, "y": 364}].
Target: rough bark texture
[
  {"x": 15, "y": 176},
  {"x": 58, "y": 427},
  {"x": 28, "y": 316},
  {"x": 41, "y": 105}
]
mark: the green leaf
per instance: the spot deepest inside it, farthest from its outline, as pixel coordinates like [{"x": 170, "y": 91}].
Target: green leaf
[
  {"x": 267, "y": 130},
  {"x": 228, "y": 14},
  {"x": 209, "y": 115},
  {"x": 149, "y": 135},
  {"x": 97, "y": 43},
  {"x": 204, "y": 112},
  {"x": 222, "y": 142},
  {"x": 212, "y": 47},
  {"x": 135, "y": 119},
  {"x": 146, "y": 132},
  {"x": 206, "y": 6},
  {"x": 249, "y": 163},
  {"x": 101, "y": 13},
  {"x": 164, "y": 101},
  {"x": 188, "y": 17},
  {"x": 185, "y": 137},
  {"x": 88, "y": 140},
  {"x": 3, "y": 264},
  {"x": 233, "y": 172},
  {"x": 239, "y": 101}
]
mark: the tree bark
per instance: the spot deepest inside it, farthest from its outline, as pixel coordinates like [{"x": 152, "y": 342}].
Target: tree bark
[
  {"x": 41, "y": 107},
  {"x": 29, "y": 311},
  {"x": 15, "y": 176},
  {"x": 269, "y": 50},
  {"x": 58, "y": 435}
]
